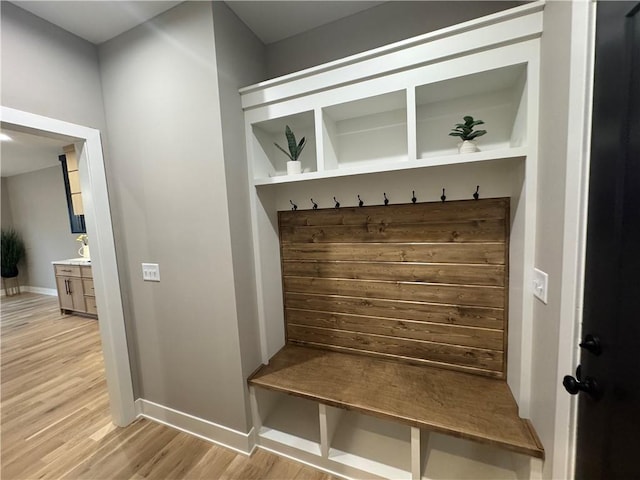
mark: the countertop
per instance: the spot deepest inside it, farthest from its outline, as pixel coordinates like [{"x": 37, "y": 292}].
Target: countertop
[{"x": 73, "y": 261}]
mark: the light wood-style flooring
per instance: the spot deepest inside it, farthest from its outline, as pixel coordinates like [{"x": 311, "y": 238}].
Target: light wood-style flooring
[{"x": 55, "y": 420}]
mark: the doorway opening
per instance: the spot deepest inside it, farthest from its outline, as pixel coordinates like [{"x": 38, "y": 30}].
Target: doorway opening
[{"x": 103, "y": 259}]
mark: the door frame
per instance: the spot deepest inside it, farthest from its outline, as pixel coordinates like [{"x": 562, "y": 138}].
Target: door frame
[
  {"x": 95, "y": 198},
  {"x": 578, "y": 154}
]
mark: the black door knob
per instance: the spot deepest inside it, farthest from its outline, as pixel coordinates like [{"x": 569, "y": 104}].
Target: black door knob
[
  {"x": 591, "y": 343},
  {"x": 575, "y": 385}
]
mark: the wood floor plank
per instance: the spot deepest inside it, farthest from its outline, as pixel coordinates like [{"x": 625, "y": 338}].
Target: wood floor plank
[{"x": 56, "y": 421}]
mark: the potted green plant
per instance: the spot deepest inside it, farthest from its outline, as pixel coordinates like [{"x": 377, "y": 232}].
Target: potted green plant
[
  {"x": 467, "y": 134},
  {"x": 12, "y": 252},
  {"x": 295, "y": 149}
]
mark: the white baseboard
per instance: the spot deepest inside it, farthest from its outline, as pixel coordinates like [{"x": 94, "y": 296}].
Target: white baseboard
[
  {"x": 240, "y": 442},
  {"x": 42, "y": 291}
]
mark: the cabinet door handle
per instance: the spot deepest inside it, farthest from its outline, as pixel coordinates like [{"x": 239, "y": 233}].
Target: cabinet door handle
[
  {"x": 66, "y": 286},
  {"x": 70, "y": 291}
]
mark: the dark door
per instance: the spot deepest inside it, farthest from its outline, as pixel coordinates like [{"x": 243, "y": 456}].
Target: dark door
[{"x": 608, "y": 445}]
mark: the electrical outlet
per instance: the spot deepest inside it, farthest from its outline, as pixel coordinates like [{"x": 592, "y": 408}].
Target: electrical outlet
[
  {"x": 540, "y": 284},
  {"x": 150, "y": 272}
]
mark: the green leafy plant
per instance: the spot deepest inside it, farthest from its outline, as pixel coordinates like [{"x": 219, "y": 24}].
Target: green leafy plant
[
  {"x": 465, "y": 130},
  {"x": 295, "y": 149},
  {"x": 12, "y": 252}
]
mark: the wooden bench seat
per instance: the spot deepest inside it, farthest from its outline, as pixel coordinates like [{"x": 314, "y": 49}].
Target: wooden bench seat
[{"x": 454, "y": 403}]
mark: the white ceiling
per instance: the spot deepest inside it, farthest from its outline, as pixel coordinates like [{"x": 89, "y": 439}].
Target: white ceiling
[
  {"x": 98, "y": 21},
  {"x": 26, "y": 153}
]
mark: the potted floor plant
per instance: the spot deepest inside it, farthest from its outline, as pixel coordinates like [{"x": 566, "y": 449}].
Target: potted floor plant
[
  {"x": 12, "y": 252},
  {"x": 467, "y": 134},
  {"x": 295, "y": 149}
]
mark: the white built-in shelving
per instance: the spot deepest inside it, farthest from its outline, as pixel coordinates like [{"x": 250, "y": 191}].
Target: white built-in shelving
[{"x": 379, "y": 122}]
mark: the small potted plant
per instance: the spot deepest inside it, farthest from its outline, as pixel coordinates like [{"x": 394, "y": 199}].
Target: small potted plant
[
  {"x": 12, "y": 253},
  {"x": 467, "y": 134},
  {"x": 295, "y": 149}
]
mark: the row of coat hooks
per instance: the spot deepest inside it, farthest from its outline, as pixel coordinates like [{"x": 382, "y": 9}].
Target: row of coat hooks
[{"x": 414, "y": 199}]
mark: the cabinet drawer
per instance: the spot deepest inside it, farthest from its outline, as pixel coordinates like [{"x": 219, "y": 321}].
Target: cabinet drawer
[
  {"x": 67, "y": 270},
  {"x": 91, "y": 305},
  {"x": 87, "y": 284},
  {"x": 86, "y": 271}
]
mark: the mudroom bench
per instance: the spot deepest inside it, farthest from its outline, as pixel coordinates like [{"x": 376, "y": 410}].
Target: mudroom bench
[
  {"x": 396, "y": 340},
  {"x": 427, "y": 399},
  {"x": 445, "y": 401}
]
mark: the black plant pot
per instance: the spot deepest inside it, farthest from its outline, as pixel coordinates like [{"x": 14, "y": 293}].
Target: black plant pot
[{"x": 9, "y": 272}]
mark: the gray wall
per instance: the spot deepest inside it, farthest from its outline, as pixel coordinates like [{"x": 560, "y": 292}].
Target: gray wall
[
  {"x": 160, "y": 88},
  {"x": 5, "y": 205},
  {"x": 240, "y": 61},
  {"x": 48, "y": 71},
  {"x": 39, "y": 212},
  {"x": 377, "y": 26}
]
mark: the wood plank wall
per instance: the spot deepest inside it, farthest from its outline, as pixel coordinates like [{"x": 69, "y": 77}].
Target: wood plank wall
[{"x": 425, "y": 283}]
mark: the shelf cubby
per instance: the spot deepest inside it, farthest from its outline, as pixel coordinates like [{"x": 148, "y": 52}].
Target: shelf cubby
[
  {"x": 288, "y": 420},
  {"x": 366, "y": 131},
  {"x": 268, "y": 160},
  {"x": 498, "y": 97},
  {"x": 371, "y": 444},
  {"x": 444, "y": 457}
]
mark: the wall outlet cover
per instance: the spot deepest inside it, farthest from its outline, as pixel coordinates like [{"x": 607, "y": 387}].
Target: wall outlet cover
[
  {"x": 150, "y": 272},
  {"x": 540, "y": 284}
]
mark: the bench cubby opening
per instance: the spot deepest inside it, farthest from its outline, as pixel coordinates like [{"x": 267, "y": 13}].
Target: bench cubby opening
[
  {"x": 371, "y": 444},
  {"x": 443, "y": 457},
  {"x": 287, "y": 420}
]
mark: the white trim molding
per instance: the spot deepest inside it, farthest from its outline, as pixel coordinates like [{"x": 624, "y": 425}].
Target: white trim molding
[
  {"x": 583, "y": 17},
  {"x": 103, "y": 254},
  {"x": 240, "y": 442}
]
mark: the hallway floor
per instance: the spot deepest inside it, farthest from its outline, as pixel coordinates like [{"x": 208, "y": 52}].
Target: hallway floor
[{"x": 55, "y": 413}]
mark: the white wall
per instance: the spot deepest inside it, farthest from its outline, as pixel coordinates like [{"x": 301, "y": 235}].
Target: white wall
[
  {"x": 377, "y": 26},
  {"x": 160, "y": 89},
  {"x": 39, "y": 211}
]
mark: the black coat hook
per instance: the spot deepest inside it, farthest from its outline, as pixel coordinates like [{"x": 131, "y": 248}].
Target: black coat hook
[
  {"x": 315, "y": 205},
  {"x": 476, "y": 195},
  {"x": 443, "y": 197},
  {"x": 360, "y": 202},
  {"x": 386, "y": 200},
  {"x": 337, "y": 205},
  {"x": 413, "y": 198},
  {"x": 293, "y": 205}
]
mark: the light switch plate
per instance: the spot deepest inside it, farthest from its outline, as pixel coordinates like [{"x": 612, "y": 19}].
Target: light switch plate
[
  {"x": 150, "y": 272},
  {"x": 540, "y": 284}
]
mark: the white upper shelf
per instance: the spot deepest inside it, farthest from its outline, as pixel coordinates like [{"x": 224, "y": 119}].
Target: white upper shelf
[
  {"x": 509, "y": 26},
  {"x": 504, "y": 154}
]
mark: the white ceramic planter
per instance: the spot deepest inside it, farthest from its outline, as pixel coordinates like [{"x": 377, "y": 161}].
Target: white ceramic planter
[
  {"x": 294, "y": 168},
  {"x": 468, "y": 146}
]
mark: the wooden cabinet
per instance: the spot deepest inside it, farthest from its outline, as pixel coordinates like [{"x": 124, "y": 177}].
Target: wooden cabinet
[{"x": 75, "y": 289}]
